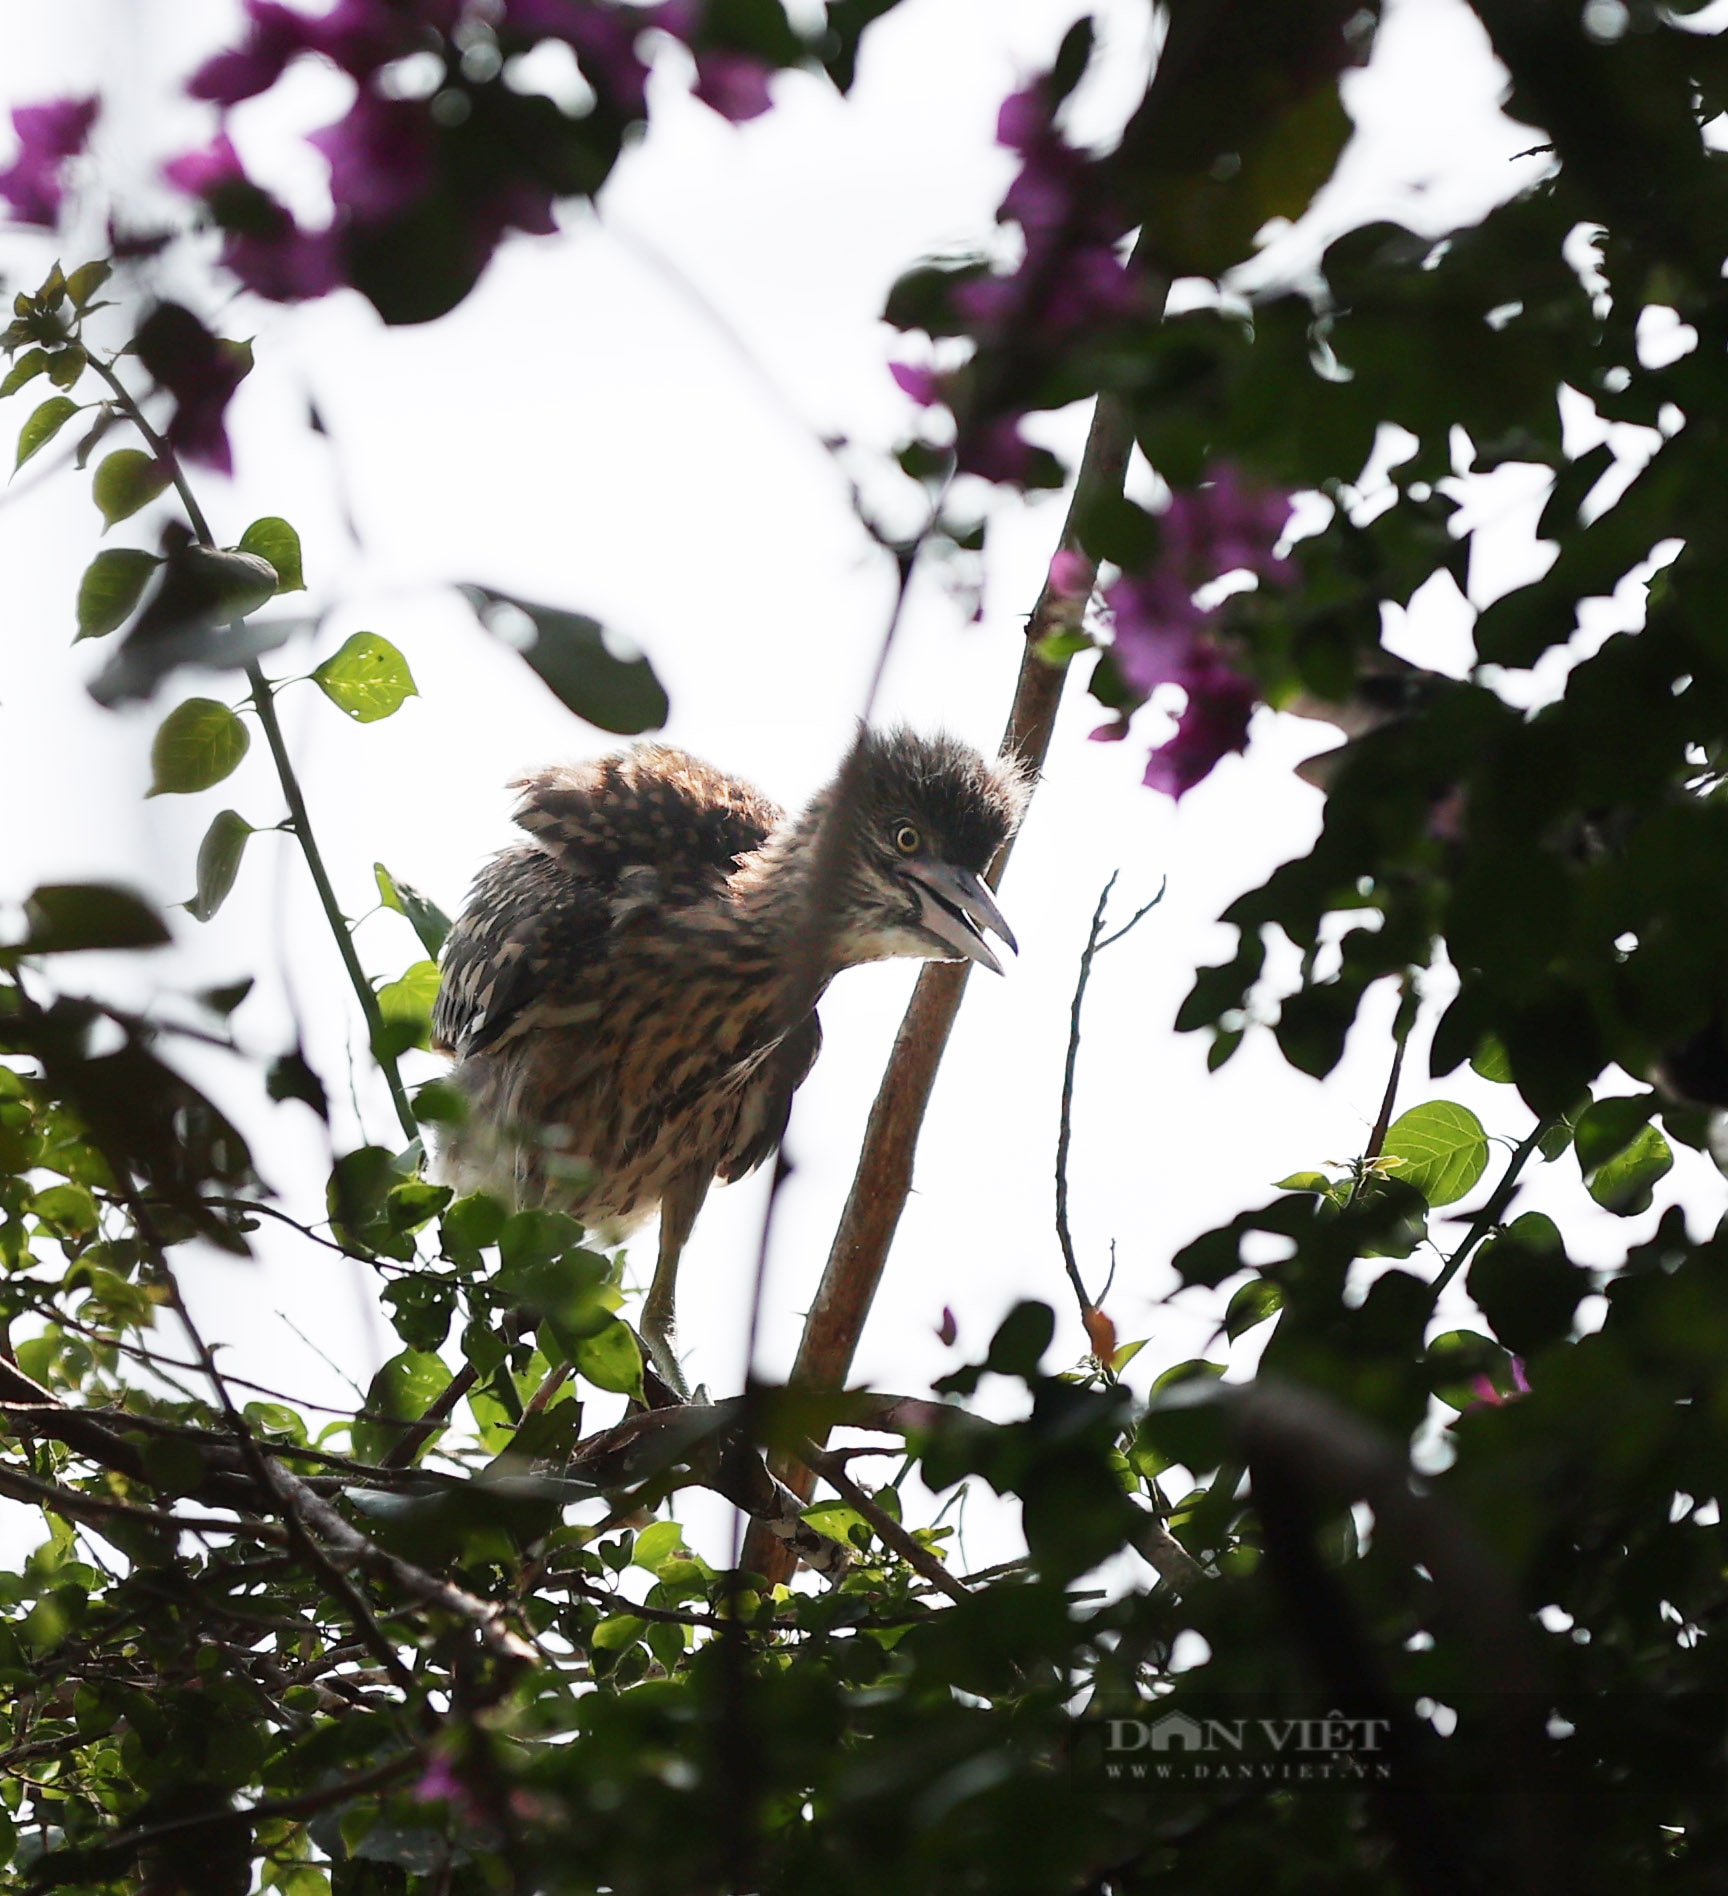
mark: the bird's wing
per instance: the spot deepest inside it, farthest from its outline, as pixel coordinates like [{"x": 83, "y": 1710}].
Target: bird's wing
[
  {"x": 767, "y": 1103},
  {"x": 526, "y": 920},
  {"x": 651, "y": 815},
  {"x": 614, "y": 841}
]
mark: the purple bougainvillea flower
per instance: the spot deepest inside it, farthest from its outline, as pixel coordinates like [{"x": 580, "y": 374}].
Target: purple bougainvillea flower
[
  {"x": 442, "y": 1783},
  {"x": 1071, "y": 573},
  {"x": 997, "y": 450},
  {"x": 380, "y": 156},
  {"x": 201, "y": 372},
  {"x": 922, "y": 384},
  {"x": 263, "y": 246},
  {"x": 734, "y": 84},
  {"x": 48, "y": 136},
  {"x": 1023, "y": 118},
  {"x": 1485, "y": 1391},
  {"x": 274, "y": 35},
  {"x": 603, "y": 39},
  {"x": 357, "y": 35},
  {"x": 362, "y": 35},
  {"x": 206, "y": 173},
  {"x": 1214, "y": 722},
  {"x": 1163, "y": 638}
]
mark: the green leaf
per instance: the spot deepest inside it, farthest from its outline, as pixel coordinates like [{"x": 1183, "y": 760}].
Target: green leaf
[
  {"x": 658, "y": 1543},
  {"x": 64, "y": 918},
  {"x": 406, "y": 1005},
  {"x": 43, "y": 426},
  {"x": 368, "y": 678},
  {"x": 198, "y": 744},
  {"x": 1464, "y": 1366},
  {"x": 1257, "y": 1300},
  {"x": 611, "y": 1360},
  {"x": 1441, "y": 1150},
  {"x": 1304, "y": 1182},
  {"x": 68, "y": 1210},
  {"x": 218, "y": 863},
  {"x": 1606, "y": 1127},
  {"x": 1625, "y": 1184},
  {"x": 68, "y": 365},
  {"x": 28, "y": 366},
  {"x": 426, "y": 918},
  {"x": 273, "y": 539},
  {"x": 1021, "y": 1340},
  {"x": 616, "y": 1633},
  {"x": 402, "y": 1391},
  {"x": 1491, "y": 1061},
  {"x": 112, "y": 585},
  {"x": 570, "y": 653},
  {"x": 87, "y": 279},
  {"x": 126, "y": 480}
]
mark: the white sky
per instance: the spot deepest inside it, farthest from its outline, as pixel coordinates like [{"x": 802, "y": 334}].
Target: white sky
[{"x": 580, "y": 432}]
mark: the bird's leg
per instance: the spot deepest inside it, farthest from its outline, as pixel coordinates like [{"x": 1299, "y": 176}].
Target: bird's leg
[{"x": 678, "y": 1211}]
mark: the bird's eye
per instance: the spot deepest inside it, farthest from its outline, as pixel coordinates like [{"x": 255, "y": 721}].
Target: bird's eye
[{"x": 907, "y": 840}]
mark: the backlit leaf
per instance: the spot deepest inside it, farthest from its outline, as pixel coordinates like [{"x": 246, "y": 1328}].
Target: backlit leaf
[
  {"x": 368, "y": 678},
  {"x": 273, "y": 539},
  {"x": 44, "y": 424},
  {"x": 571, "y": 654},
  {"x": 198, "y": 744},
  {"x": 1440, "y": 1149},
  {"x": 126, "y": 480},
  {"x": 112, "y": 585},
  {"x": 218, "y": 863}
]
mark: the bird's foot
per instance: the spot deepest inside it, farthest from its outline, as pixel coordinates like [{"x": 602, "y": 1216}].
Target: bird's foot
[{"x": 657, "y": 1347}]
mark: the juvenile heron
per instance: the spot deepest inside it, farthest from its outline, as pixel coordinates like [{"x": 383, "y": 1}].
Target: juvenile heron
[{"x": 630, "y": 995}]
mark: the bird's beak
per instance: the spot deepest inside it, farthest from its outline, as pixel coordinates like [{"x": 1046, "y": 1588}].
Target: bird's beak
[{"x": 954, "y": 906}]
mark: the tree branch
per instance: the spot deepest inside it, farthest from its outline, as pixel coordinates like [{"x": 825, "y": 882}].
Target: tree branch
[{"x": 884, "y": 1174}]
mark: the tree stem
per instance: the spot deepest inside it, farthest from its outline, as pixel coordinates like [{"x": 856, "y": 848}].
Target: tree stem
[
  {"x": 883, "y": 1179},
  {"x": 264, "y": 703}
]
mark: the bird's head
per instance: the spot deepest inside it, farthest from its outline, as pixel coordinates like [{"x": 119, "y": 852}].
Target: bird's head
[{"x": 920, "y": 820}]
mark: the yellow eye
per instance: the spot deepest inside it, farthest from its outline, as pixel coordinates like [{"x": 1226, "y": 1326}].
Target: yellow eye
[{"x": 907, "y": 840}]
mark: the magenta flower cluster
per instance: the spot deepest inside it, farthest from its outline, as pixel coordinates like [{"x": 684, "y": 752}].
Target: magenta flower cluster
[
  {"x": 50, "y": 135},
  {"x": 386, "y": 156},
  {"x": 1162, "y": 637},
  {"x": 1070, "y": 282}
]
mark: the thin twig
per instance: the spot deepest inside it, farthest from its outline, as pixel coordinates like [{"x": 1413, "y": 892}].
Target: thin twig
[
  {"x": 263, "y": 703},
  {"x": 93, "y": 1510},
  {"x": 832, "y": 1469},
  {"x": 1492, "y": 1212},
  {"x": 1402, "y": 1022},
  {"x": 274, "y": 1480},
  {"x": 1096, "y": 943}
]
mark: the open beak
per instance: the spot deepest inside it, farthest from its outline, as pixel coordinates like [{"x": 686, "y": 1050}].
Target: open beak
[{"x": 955, "y": 907}]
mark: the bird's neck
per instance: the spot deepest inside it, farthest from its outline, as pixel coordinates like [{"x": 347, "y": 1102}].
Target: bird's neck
[{"x": 788, "y": 896}]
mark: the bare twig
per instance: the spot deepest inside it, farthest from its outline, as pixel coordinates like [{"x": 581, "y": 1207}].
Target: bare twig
[
  {"x": 832, "y": 1469},
  {"x": 1495, "y": 1209},
  {"x": 95, "y": 1509},
  {"x": 345, "y": 1540},
  {"x": 1401, "y": 1025},
  {"x": 1096, "y": 943}
]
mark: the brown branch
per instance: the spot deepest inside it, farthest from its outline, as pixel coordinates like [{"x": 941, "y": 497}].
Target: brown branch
[
  {"x": 832, "y": 1469},
  {"x": 79, "y": 1862},
  {"x": 884, "y": 1174},
  {"x": 93, "y": 1510},
  {"x": 343, "y": 1540}
]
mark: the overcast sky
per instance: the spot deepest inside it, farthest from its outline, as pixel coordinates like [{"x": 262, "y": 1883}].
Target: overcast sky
[{"x": 625, "y": 419}]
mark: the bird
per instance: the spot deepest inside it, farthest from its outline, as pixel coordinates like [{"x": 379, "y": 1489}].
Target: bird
[{"x": 629, "y": 996}]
